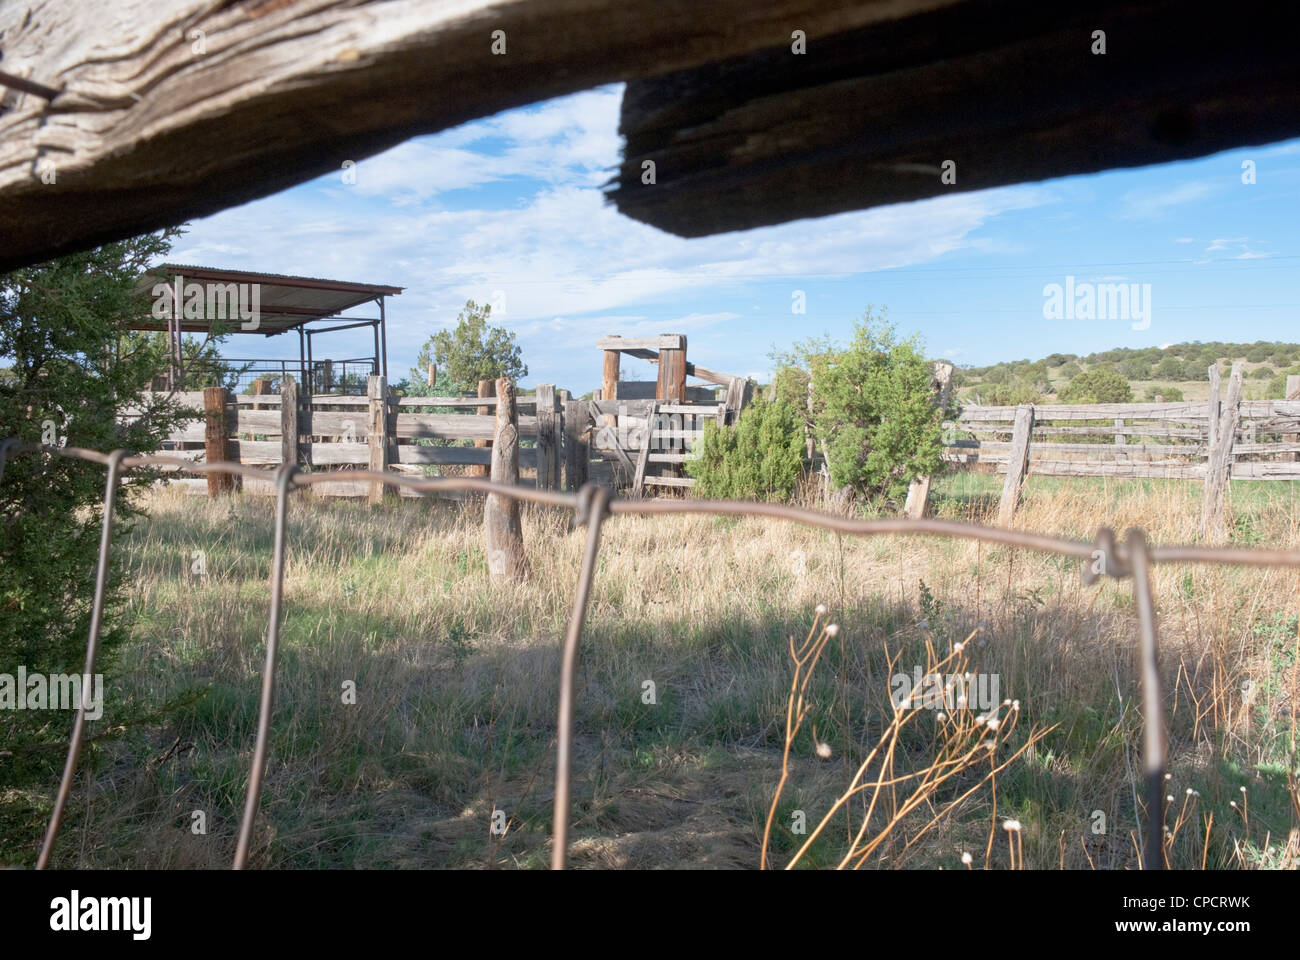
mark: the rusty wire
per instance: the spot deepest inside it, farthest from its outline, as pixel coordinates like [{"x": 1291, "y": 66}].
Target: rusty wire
[{"x": 591, "y": 505}]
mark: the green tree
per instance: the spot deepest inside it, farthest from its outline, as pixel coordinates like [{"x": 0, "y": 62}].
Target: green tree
[
  {"x": 1012, "y": 393},
  {"x": 61, "y": 328},
  {"x": 1097, "y": 386},
  {"x": 759, "y": 458},
  {"x": 874, "y": 412},
  {"x": 471, "y": 352}
]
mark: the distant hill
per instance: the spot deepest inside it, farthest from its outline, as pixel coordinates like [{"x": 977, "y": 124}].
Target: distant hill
[{"x": 1177, "y": 372}]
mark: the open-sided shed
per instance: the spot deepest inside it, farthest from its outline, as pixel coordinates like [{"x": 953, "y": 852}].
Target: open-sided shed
[{"x": 206, "y": 300}]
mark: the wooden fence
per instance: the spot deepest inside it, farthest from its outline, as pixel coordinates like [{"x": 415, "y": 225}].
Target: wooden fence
[
  {"x": 564, "y": 441},
  {"x": 1213, "y": 441}
]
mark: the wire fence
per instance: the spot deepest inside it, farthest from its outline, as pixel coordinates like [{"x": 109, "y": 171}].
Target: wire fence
[{"x": 591, "y": 506}]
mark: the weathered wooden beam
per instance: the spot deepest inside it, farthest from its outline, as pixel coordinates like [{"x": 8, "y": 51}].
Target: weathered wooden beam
[
  {"x": 548, "y": 438},
  {"x": 1292, "y": 393},
  {"x": 577, "y": 452},
  {"x": 502, "y": 526},
  {"x": 976, "y": 95},
  {"x": 486, "y": 388},
  {"x": 215, "y": 439},
  {"x": 672, "y": 373},
  {"x": 377, "y": 436},
  {"x": 1017, "y": 463},
  {"x": 665, "y": 341},
  {"x": 1219, "y": 468},
  {"x": 609, "y": 378},
  {"x": 289, "y": 421},
  {"x": 174, "y": 109}
]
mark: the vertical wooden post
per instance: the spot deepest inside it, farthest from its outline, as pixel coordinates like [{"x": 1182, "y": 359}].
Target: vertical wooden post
[
  {"x": 609, "y": 381},
  {"x": 377, "y": 440},
  {"x": 261, "y": 386},
  {"x": 433, "y": 375},
  {"x": 576, "y": 451},
  {"x": 548, "y": 439},
  {"x": 918, "y": 492},
  {"x": 1120, "y": 439},
  {"x": 1017, "y": 463},
  {"x": 289, "y": 421},
  {"x": 501, "y": 524},
  {"x": 486, "y": 388},
  {"x": 328, "y": 376},
  {"x": 1218, "y": 469},
  {"x": 672, "y": 375},
  {"x": 1292, "y": 393},
  {"x": 1215, "y": 409},
  {"x": 216, "y": 433}
]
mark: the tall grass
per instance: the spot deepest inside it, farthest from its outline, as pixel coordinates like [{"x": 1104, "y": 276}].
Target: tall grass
[{"x": 416, "y": 699}]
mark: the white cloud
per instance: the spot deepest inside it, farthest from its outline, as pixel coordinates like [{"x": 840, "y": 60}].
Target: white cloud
[
  {"x": 1146, "y": 204},
  {"x": 570, "y": 266}
]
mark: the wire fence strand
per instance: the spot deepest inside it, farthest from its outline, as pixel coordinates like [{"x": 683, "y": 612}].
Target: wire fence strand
[{"x": 591, "y": 505}]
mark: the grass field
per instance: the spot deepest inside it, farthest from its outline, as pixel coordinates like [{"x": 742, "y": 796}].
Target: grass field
[{"x": 455, "y": 690}]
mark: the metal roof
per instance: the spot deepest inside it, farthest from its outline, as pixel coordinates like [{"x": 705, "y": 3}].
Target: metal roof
[{"x": 282, "y": 302}]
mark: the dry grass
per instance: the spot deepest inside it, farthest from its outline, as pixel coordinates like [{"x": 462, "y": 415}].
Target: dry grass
[{"x": 456, "y": 680}]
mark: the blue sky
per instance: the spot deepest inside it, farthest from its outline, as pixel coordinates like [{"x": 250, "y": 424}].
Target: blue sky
[{"x": 510, "y": 210}]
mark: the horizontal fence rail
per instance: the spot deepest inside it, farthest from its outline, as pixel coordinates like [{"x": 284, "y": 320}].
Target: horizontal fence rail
[
  {"x": 407, "y": 434},
  {"x": 591, "y": 505}
]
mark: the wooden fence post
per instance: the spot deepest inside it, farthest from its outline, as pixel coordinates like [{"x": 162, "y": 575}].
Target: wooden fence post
[
  {"x": 261, "y": 386},
  {"x": 576, "y": 451},
  {"x": 1218, "y": 469},
  {"x": 216, "y": 434},
  {"x": 1292, "y": 393},
  {"x": 1017, "y": 463},
  {"x": 1214, "y": 409},
  {"x": 672, "y": 374},
  {"x": 548, "y": 439},
  {"x": 918, "y": 492},
  {"x": 289, "y": 431},
  {"x": 501, "y": 524},
  {"x": 433, "y": 375},
  {"x": 486, "y": 388},
  {"x": 377, "y": 441},
  {"x": 609, "y": 381}
]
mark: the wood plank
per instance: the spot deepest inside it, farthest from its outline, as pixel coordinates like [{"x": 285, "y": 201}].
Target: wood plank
[
  {"x": 609, "y": 380},
  {"x": 1136, "y": 470},
  {"x": 669, "y": 481},
  {"x": 1017, "y": 463},
  {"x": 461, "y": 402},
  {"x": 377, "y": 434},
  {"x": 638, "y": 480},
  {"x": 1093, "y": 411},
  {"x": 457, "y": 456},
  {"x": 437, "y": 426},
  {"x": 1218, "y": 470},
  {"x": 548, "y": 438},
  {"x": 289, "y": 432},
  {"x": 215, "y": 436},
  {"x": 577, "y": 453},
  {"x": 665, "y": 341},
  {"x": 869, "y": 117},
  {"x": 146, "y": 132}
]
